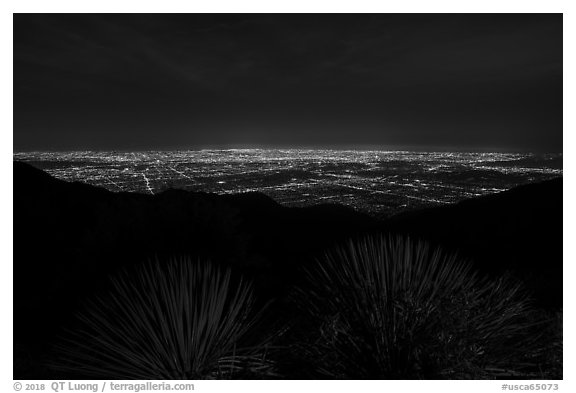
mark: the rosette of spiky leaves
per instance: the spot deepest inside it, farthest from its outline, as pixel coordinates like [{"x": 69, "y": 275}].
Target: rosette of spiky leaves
[
  {"x": 390, "y": 307},
  {"x": 176, "y": 320}
]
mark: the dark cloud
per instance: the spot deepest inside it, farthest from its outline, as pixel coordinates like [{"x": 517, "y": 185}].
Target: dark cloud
[{"x": 193, "y": 80}]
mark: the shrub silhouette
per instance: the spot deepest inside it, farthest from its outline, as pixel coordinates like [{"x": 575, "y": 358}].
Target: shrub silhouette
[
  {"x": 389, "y": 307},
  {"x": 178, "y": 320}
]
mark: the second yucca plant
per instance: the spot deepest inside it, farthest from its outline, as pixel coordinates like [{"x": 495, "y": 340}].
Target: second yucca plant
[{"x": 390, "y": 307}]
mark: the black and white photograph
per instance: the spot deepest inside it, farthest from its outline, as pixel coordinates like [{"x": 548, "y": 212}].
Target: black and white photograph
[{"x": 288, "y": 196}]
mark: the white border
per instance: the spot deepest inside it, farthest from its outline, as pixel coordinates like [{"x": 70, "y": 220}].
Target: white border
[{"x": 232, "y": 6}]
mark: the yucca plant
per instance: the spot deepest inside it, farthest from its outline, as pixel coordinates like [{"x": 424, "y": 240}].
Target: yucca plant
[
  {"x": 177, "y": 320},
  {"x": 390, "y": 307}
]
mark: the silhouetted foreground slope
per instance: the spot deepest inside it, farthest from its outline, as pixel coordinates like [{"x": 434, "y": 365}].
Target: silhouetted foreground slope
[
  {"x": 519, "y": 230},
  {"x": 70, "y": 237}
]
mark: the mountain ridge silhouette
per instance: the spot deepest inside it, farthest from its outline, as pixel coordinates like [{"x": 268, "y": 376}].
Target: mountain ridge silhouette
[{"x": 70, "y": 237}]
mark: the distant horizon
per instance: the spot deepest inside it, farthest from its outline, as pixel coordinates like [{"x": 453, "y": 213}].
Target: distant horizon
[
  {"x": 303, "y": 148},
  {"x": 299, "y": 176}
]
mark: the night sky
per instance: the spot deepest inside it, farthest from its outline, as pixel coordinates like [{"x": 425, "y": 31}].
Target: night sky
[{"x": 188, "y": 81}]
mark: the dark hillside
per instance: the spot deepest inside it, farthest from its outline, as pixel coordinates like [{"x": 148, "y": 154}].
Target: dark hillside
[
  {"x": 519, "y": 230},
  {"x": 70, "y": 237}
]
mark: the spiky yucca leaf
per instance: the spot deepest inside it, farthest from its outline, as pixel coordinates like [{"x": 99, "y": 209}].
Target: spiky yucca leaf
[
  {"x": 177, "y": 320},
  {"x": 390, "y": 307}
]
